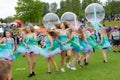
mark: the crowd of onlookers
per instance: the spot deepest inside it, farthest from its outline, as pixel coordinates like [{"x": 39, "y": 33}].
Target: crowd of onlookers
[{"x": 113, "y": 17}]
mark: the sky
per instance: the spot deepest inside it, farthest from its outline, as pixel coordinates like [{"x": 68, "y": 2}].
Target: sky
[{"x": 7, "y": 7}]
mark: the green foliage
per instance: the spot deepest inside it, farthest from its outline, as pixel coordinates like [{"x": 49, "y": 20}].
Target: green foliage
[
  {"x": 53, "y": 7},
  {"x": 45, "y": 9},
  {"x": 70, "y": 6},
  {"x": 8, "y": 19},
  {"x": 29, "y": 10},
  {"x": 85, "y": 3},
  {"x": 34, "y": 10},
  {"x": 1, "y": 20},
  {"x": 112, "y": 7}
]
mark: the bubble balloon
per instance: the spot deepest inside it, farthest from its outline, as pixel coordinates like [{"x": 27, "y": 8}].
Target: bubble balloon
[
  {"x": 94, "y": 12},
  {"x": 50, "y": 19},
  {"x": 69, "y": 17}
]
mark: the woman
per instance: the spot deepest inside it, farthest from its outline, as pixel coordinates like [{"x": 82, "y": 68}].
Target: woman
[
  {"x": 87, "y": 47},
  {"x": 51, "y": 48},
  {"x": 63, "y": 39},
  {"x": 31, "y": 49},
  {"x": 105, "y": 44},
  {"x": 77, "y": 48},
  {"x": 7, "y": 44}
]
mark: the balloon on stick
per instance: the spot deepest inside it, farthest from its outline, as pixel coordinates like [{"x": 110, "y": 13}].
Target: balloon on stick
[
  {"x": 95, "y": 13},
  {"x": 50, "y": 19},
  {"x": 71, "y": 18}
]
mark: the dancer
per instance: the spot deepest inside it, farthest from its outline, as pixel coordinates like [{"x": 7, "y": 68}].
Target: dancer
[
  {"x": 63, "y": 39},
  {"x": 87, "y": 47},
  {"x": 51, "y": 49},
  {"x": 31, "y": 49},
  {"x": 77, "y": 48},
  {"x": 7, "y": 44},
  {"x": 105, "y": 44}
]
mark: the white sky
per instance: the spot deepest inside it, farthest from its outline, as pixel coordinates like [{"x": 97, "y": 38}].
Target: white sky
[{"x": 7, "y": 7}]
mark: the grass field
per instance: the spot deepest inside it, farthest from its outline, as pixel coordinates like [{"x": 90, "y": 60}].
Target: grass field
[{"x": 97, "y": 70}]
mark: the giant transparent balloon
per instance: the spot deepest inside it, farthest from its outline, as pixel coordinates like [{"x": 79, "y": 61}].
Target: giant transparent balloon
[
  {"x": 50, "y": 19},
  {"x": 94, "y": 12},
  {"x": 69, "y": 17}
]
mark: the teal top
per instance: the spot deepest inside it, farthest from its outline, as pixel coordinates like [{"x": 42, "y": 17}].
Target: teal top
[
  {"x": 105, "y": 42},
  {"x": 47, "y": 44},
  {"x": 76, "y": 38},
  {"x": 31, "y": 40},
  {"x": 8, "y": 44},
  {"x": 63, "y": 37}
]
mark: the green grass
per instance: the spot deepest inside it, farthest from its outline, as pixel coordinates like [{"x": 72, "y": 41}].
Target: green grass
[
  {"x": 97, "y": 70},
  {"x": 113, "y": 23}
]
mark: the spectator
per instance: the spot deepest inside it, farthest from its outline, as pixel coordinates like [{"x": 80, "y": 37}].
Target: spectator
[{"x": 116, "y": 39}]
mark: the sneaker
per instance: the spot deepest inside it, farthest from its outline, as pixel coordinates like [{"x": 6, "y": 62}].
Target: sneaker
[
  {"x": 62, "y": 69},
  {"x": 86, "y": 64},
  {"x": 57, "y": 72},
  {"x": 114, "y": 51},
  {"x": 73, "y": 68},
  {"x": 68, "y": 65},
  {"x": 47, "y": 72},
  {"x": 30, "y": 75},
  {"x": 78, "y": 61},
  {"x": 105, "y": 61},
  {"x": 33, "y": 73}
]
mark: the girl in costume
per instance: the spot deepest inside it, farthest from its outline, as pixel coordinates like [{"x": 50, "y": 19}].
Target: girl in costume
[
  {"x": 77, "y": 48},
  {"x": 30, "y": 42},
  {"x": 63, "y": 39},
  {"x": 87, "y": 49},
  {"x": 90, "y": 37},
  {"x": 1, "y": 45},
  {"x": 7, "y": 49},
  {"x": 22, "y": 48},
  {"x": 51, "y": 49},
  {"x": 105, "y": 44}
]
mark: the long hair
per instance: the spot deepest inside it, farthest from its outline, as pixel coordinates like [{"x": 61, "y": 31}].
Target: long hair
[
  {"x": 5, "y": 68},
  {"x": 53, "y": 33},
  {"x": 65, "y": 24},
  {"x": 103, "y": 32},
  {"x": 31, "y": 29},
  {"x": 81, "y": 34}
]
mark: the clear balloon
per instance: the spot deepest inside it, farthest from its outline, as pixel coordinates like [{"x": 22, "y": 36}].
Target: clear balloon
[
  {"x": 50, "y": 19},
  {"x": 94, "y": 12},
  {"x": 69, "y": 17}
]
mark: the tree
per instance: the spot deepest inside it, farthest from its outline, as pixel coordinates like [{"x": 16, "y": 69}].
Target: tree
[
  {"x": 76, "y": 7},
  {"x": 8, "y": 19},
  {"x": 53, "y": 7},
  {"x": 112, "y": 7},
  {"x": 1, "y": 20},
  {"x": 45, "y": 9},
  {"x": 62, "y": 8},
  {"x": 85, "y": 3},
  {"x": 29, "y": 10},
  {"x": 70, "y": 6}
]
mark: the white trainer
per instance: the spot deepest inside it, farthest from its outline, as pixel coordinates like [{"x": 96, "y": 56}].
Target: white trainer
[
  {"x": 62, "y": 69},
  {"x": 73, "y": 68},
  {"x": 68, "y": 65}
]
